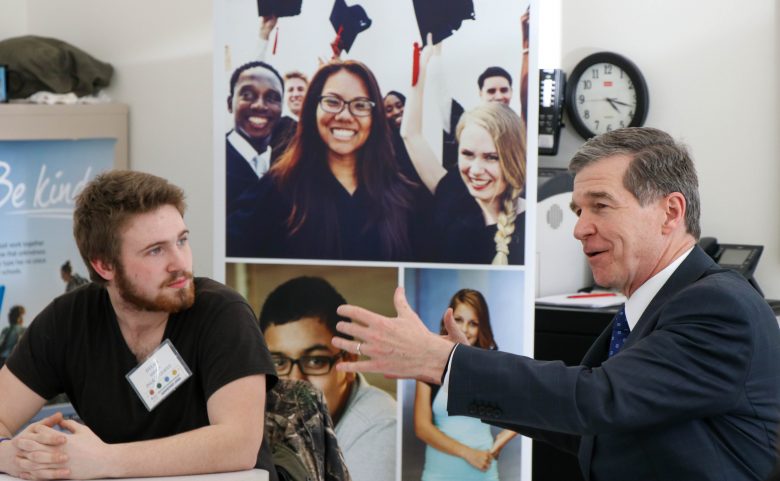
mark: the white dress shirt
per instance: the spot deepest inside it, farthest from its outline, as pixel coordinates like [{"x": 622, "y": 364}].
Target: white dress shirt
[{"x": 260, "y": 163}]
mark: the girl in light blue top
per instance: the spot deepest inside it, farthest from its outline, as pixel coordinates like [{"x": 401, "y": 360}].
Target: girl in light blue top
[{"x": 458, "y": 447}]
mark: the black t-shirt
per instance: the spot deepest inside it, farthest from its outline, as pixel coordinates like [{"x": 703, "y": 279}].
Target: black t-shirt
[
  {"x": 464, "y": 237},
  {"x": 75, "y": 346}
]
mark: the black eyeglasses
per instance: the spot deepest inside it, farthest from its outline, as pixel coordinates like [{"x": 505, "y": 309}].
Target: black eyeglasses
[
  {"x": 309, "y": 365},
  {"x": 359, "y": 107}
]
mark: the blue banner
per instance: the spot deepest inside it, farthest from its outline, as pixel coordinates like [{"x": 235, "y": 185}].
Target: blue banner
[{"x": 39, "y": 182}]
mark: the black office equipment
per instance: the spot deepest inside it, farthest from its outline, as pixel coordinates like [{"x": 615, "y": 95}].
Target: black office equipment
[
  {"x": 742, "y": 258},
  {"x": 551, "y": 94}
]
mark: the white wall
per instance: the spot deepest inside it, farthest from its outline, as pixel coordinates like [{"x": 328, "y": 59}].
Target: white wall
[
  {"x": 711, "y": 67},
  {"x": 162, "y": 53},
  {"x": 713, "y": 72},
  {"x": 13, "y": 18}
]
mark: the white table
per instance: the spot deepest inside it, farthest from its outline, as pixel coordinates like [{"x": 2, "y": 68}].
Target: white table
[{"x": 251, "y": 475}]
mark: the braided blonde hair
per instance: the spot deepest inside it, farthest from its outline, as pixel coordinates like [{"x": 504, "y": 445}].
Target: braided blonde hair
[
  {"x": 507, "y": 130},
  {"x": 505, "y": 227}
]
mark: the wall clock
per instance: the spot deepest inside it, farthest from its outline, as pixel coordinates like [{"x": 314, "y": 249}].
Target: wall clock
[{"x": 606, "y": 91}]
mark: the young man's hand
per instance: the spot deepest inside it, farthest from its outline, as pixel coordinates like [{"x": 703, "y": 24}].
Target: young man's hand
[{"x": 40, "y": 451}]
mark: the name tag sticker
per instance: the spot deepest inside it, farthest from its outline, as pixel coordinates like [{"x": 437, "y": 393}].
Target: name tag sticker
[{"x": 159, "y": 375}]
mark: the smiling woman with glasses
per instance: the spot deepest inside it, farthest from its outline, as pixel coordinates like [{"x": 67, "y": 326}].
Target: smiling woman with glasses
[
  {"x": 298, "y": 320},
  {"x": 337, "y": 192},
  {"x": 359, "y": 107}
]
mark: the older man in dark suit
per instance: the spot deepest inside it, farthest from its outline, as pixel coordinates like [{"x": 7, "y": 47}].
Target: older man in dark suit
[{"x": 683, "y": 385}]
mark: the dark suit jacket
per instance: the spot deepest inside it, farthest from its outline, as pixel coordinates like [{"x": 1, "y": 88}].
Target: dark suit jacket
[
  {"x": 239, "y": 176},
  {"x": 693, "y": 395}
]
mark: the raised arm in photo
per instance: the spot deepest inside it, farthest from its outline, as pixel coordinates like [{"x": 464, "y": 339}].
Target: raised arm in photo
[
  {"x": 267, "y": 24},
  {"x": 425, "y": 161}
]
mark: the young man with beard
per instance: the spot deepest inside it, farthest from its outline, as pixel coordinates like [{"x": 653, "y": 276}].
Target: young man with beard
[{"x": 168, "y": 372}]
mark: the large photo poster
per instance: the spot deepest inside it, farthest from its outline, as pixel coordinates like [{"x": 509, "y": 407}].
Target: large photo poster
[{"x": 372, "y": 143}]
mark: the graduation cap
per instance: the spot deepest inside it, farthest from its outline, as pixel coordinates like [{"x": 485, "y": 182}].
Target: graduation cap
[
  {"x": 441, "y": 17},
  {"x": 348, "y": 22},
  {"x": 279, "y": 8}
]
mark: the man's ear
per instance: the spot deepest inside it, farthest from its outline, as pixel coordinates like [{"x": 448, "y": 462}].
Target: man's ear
[
  {"x": 674, "y": 208},
  {"x": 230, "y": 103},
  {"x": 104, "y": 269}
]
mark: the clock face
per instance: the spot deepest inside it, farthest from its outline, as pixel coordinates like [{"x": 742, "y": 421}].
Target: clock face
[
  {"x": 607, "y": 92},
  {"x": 606, "y": 98}
]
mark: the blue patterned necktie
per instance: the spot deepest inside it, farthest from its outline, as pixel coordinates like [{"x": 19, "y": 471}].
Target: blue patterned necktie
[{"x": 620, "y": 332}]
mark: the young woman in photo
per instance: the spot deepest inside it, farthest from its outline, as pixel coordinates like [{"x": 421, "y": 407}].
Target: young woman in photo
[
  {"x": 337, "y": 192},
  {"x": 479, "y": 214},
  {"x": 459, "y": 448}
]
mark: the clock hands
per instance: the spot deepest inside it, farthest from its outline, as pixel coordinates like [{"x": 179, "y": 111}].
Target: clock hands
[{"x": 613, "y": 101}]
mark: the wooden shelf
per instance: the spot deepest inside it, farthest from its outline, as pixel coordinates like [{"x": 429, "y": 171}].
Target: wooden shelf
[{"x": 22, "y": 121}]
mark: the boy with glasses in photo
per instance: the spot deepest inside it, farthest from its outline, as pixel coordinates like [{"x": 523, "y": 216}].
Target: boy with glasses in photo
[{"x": 299, "y": 320}]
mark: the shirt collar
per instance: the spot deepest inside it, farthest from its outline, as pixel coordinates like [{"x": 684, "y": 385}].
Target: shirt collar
[
  {"x": 258, "y": 162},
  {"x": 640, "y": 299}
]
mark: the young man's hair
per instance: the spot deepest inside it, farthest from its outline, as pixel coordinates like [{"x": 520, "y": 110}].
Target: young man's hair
[
  {"x": 67, "y": 268},
  {"x": 493, "y": 72},
  {"x": 107, "y": 203},
  {"x": 256, "y": 63},
  {"x": 296, "y": 74},
  {"x": 299, "y": 298}
]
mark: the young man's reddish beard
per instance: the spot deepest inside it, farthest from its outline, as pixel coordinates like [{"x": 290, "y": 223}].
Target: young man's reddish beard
[{"x": 181, "y": 300}]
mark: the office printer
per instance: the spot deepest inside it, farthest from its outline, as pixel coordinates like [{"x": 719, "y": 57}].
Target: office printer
[{"x": 560, "y": 264}]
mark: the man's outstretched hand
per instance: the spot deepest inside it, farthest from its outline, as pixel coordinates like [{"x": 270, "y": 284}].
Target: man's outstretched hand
[{"x": 399, "y": 347}]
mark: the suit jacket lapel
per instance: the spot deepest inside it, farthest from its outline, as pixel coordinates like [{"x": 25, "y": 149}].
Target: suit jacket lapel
[{"x": 691, "y": 269}]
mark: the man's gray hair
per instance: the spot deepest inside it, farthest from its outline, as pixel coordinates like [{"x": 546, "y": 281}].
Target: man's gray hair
[{"x": 659, "y": 167}]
